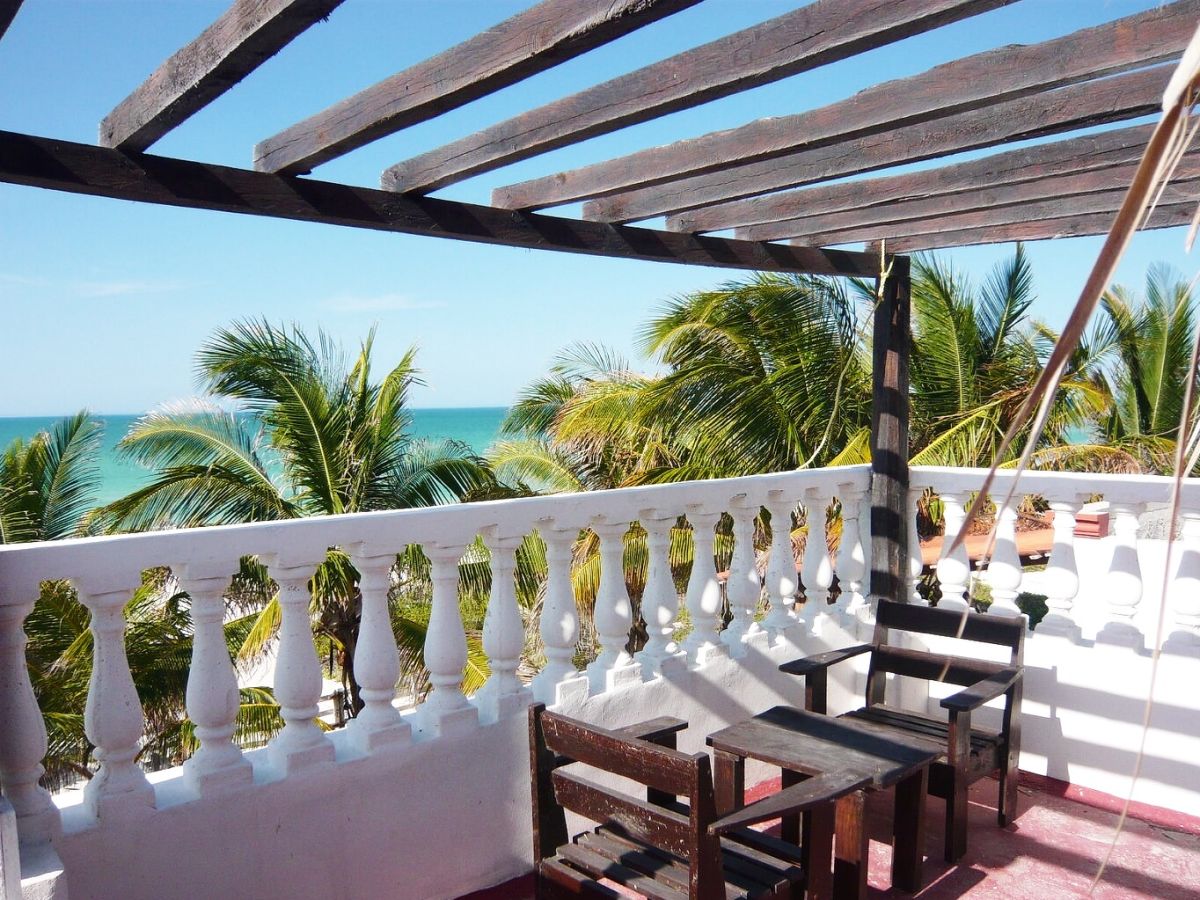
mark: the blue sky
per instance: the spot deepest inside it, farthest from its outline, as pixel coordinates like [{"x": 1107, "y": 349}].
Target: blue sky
[{"x": 105, "y": 302}]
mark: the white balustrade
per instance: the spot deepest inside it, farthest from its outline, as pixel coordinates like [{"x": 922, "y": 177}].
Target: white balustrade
[
  {"x": 742, "y": 587},
  {"x": 113, "y": 719},
  {"x": 781, "y": 579},
  {"x": 852, "y": 554},
  {"x": 212, "y": 691},
  {"x": 23, "y": 735},
  {"x": 1004, "y": 571},
  {"x": 613, "y": 615},
  {"x": 1184, "y": 591},
  {"x": 301, "y": 743},
  {"x": 1061, "y": 578},
  {"x": 376, "y": 659},
  {"x": 1124, "y": 579},
  {"x": 660, "y": 600},
  {"x": 446, "y": 710},
  {"x": 704, "y": 591},
  {"x": 817, "y": 571},
  {"x": 916, "y": 562},
  {"x": 560, "y": 620},
  {"x": 503, "y": 632},
  {"x": 953, "y": 567}
]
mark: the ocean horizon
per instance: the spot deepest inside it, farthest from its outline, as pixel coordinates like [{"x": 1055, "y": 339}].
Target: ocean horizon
[{"x": 475, "y": 426}]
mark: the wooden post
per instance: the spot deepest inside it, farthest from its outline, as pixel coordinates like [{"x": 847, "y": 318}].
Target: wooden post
[{"x": 889, "y": 433}]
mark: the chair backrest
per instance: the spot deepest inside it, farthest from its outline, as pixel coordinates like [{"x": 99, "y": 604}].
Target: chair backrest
[
  {"x": 963, "y": 624},
  {"x": 556, "y": 741}
]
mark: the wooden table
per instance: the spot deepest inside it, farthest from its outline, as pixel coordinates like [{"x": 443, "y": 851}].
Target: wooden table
[{"x": 804, "y": 744}]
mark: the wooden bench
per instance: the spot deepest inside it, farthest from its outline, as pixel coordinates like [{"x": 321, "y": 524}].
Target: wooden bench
[
  {"x": 967, "y": 753},
  {"x": 659, "y": 847}
]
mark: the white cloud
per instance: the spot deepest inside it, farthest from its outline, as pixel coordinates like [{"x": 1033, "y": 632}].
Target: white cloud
[
  {"x": 378, "y": 303},
  {"x": 68, "y": 288}
]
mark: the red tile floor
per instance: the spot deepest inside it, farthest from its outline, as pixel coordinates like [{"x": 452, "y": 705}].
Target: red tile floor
[{"x": 1052, "y": 850}]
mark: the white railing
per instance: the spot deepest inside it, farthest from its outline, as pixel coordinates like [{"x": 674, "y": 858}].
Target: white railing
[
  {"x": 1099, "y": 592},
  {"x": 105, "y": 572}
]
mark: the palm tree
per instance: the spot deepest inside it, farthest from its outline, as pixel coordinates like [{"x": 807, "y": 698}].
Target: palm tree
[
  {"x": 975, "y": 353},
  {"x": 1144, "y": 352},
  {"x": 313, "y": 435}
]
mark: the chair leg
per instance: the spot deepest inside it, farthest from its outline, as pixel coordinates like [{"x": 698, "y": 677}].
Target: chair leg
[
  {"x": 956, "y": 821},
  {"x": 1006, "y": 811}
]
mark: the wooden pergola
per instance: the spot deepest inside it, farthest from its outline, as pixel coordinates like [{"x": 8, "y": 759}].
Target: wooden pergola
[{"x": 763, "y": 180}]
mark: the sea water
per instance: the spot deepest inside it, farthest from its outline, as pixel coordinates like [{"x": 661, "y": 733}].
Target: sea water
[{"x": 476, "y": 427}]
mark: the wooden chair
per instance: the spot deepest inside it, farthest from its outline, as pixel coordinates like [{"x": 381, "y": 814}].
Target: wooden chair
[
  {"x": 970, "y": 752},
  {"x": 659, "y": 847}
]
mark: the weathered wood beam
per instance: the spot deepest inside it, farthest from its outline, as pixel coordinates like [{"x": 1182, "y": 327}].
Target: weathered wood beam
[
  {"x": 1170, "y": 216},
  {"x": 98, "y": 171},
  {"x": 8, "y": 11},
  {"x": 245, "y": 36},
  {"x": 876, "y": 195},
  {"x": 1053, "y": 207},
  {"x": 533, "y": 40},
  {"x": 1066, "y": 109},
  {"x": 891, "y": 344},
  {"x": 806, "y": 38},
  {"x": 1062, "y": 194},
  {"x": 971, "y": 83}
]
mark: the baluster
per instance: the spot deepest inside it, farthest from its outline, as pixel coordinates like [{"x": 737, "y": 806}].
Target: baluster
[
  {"x": 1004, "y": 571},
  {"x": 1123, "y": 585},
  {"x": 818, "y": 564},
  {"x": 851, "y": 560},
  {"x": 560, "y": 623},
  {"x": 212, "y": 690},
  {"x": 954, "y": 566},
  {"x": 743, "y": 587},
  {"x": 916, "y": 562},
  {"x": 376, "y": 660},
  {"x": 704, "y": 591},
  {"x": 23, "y": 734},
  {"x": 613, "y": 614},
  {"x": 781, "y": 565},
  {"x": 446, "y": 710},
  {"x": 112, "y": 717},
  {"x": 1184, "y": 590},
  {"x": 301, "y": 743},
  {"x": 1061, "y": 577},
  {"x": 503, "y": 633},
  {"x": 660, "y": 601}
]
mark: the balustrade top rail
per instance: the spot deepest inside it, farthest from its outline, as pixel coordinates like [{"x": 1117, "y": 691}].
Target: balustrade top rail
[{"x": 113, "y": 562}]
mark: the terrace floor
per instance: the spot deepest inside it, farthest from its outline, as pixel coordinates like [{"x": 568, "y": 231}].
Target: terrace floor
[{"x": 1052, "y": 850}]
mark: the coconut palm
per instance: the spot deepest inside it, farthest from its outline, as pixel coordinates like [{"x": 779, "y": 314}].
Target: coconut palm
[{"x": 314, "y": 434}]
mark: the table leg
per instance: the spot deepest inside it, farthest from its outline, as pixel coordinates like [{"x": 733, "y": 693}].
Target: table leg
[
  {"x": 789, "y": 827},
  {"x": 851, "y": 845},
  {"x": 729, "y": 773},
  {"x": 817, "y": 851},
  {"x": 908, "y": 831}
]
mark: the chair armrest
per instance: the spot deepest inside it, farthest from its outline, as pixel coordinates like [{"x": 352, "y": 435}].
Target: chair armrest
[
  {"x": 824, "y": 660},
  {"x": 791, "y": 800},
  {"x": 979, "y": 693},
  {"x": 655, "y": 731}
]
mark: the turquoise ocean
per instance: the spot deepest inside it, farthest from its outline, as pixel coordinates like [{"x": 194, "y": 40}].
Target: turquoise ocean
[{"x": 476, "y": 427}]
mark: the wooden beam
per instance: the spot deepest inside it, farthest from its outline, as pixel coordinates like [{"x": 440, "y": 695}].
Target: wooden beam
[
  {"x": 1078, "y": 106},
  {"x": 98, "y": 171},
  {"x": 538, "y": 38},
  {"x": 1075, "y": 155},
  {"x": 812, "y": 36},
  {"x": 1052, "y": 207},
  {"x": 1170, "y": 216},
  {"x": 971, "y": 83},
  {"x": 1061, "y": 194},
  {"x": 8, "y": 11},
  {"x": 245, "y": 36},
  {"x": 890, "y": 345}
]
